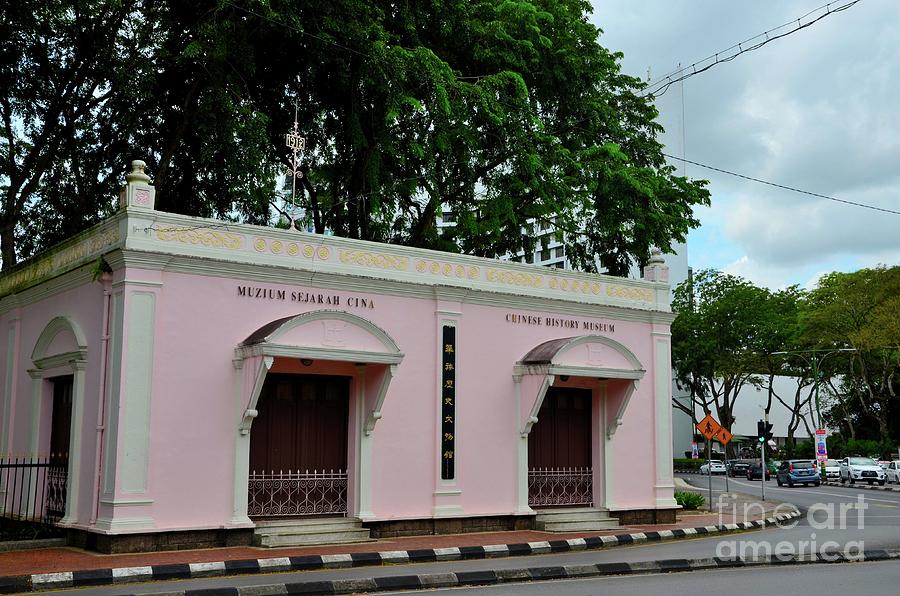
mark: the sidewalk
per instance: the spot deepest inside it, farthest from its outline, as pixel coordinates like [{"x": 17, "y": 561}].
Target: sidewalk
[{"x": 69, "y": 564}]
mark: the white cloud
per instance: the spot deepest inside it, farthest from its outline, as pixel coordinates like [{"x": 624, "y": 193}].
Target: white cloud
[{"x": 815, "y": 110}]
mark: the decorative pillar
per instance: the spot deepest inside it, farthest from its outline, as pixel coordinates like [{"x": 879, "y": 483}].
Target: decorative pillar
[
  {"x": 448, "y": 315},
  {"x": 657, "y": 271}
]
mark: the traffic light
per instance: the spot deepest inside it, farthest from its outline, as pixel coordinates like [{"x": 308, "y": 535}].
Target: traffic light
[{"x": 763, "y": 431}]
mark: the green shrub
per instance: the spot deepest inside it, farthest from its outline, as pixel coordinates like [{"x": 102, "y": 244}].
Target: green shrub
[
  {"x": 683, "y": 463},
  {"x": 689, "y": 500}
]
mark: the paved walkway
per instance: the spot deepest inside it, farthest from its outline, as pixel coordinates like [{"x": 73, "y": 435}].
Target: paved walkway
[{"x": 50, "y": 560}]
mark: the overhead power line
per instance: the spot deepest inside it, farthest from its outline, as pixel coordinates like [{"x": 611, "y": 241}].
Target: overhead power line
[
  {"x": 662, "y": 84},
  {"x": 783, "y": 186}
]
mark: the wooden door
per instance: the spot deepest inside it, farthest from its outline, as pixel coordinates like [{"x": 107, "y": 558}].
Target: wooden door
[
  {"x": 60, "y": 437},
  {"x": 302, "y": 424},
  {"x": 298, "y": 447},
  {"x": 559, "y": 450},
  {"x": 562, "y": 436}
]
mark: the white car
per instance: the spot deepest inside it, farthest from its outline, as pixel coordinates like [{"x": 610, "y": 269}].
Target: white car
[
  {"x": 713, "y": 467},
  {"x": 833, "y": 469},
  {"x": 863, "y": 469},
  {"x": 892, "y": 474}
]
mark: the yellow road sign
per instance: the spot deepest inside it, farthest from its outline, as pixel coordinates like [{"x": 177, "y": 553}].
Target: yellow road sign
[{"x": 708, "y": 427}]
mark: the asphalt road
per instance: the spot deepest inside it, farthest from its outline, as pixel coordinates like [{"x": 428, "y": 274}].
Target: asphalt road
[
  {"x": 873, "y": 523},
  {"x": 859, "y": 579}
]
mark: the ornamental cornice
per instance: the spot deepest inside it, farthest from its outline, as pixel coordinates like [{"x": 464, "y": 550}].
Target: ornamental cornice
[
  {"x": 71, "y": 254},
  {"x": 163, "y": 241}
]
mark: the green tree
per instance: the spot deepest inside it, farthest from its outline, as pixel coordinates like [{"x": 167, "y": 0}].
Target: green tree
[
  {"x": 500, "y": 111},
  {"x": 723, "y": 326},
  {"x": 858, "y": 311}
]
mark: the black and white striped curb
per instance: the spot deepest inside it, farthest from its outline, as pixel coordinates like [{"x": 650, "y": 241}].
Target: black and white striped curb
[
  {"x": 893, "y": 489},
  {"x": 529, "y": 574},
  {"x": 95, "y": 577}
]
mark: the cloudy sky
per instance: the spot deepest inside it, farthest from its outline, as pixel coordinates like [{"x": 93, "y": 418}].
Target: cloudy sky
[{"x": 817, "y": 110}]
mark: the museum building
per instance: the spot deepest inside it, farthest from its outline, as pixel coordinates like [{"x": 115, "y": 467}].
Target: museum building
[{"x": 191, "y": 382}]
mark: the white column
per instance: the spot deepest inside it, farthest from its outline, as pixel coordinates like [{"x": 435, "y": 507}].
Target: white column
[
  {"x": 521, "y": 453},
  {"x": 662, "y": 408},
  {"x": 608, "y": 451},
  {"x": 363, "y": 467},
  {"x": 76, "y": 440}
]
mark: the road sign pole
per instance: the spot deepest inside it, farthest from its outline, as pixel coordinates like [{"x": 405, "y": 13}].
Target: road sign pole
[
  {"x": 762, "y": 480},
  {"x": 725, "y": 447},
  {"x": 709, "y": 470}
]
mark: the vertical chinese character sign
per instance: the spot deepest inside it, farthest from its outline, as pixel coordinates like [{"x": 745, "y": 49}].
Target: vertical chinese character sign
[{"x": 448, "y": 402}]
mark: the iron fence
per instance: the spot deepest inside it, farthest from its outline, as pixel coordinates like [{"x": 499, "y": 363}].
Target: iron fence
[
  {"x": 276, "y": 494},
  {"x": 560, "y": 486},
  {"x": 33, "y": 488}
]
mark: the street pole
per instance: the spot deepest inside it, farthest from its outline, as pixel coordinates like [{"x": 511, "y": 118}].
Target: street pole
[
  {"x": 725, "y": 447},
  {"x": 815, "y": 363},
  {"x": 708, "y": 470},
  {"x": 762, "y": 480}
]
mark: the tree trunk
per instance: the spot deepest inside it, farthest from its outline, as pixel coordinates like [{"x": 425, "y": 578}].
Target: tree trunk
[{"x": 8, "y": 244}]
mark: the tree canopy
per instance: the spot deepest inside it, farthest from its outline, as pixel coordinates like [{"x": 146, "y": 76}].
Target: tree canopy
[
  {"x": 842, "y": 337},
  {"x": 502, "y": 112}
]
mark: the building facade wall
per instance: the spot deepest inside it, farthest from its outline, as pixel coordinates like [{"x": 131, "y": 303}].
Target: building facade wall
[{"x": 176, "y": 386}]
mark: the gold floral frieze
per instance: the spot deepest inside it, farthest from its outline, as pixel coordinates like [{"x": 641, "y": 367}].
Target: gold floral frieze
[
  {"x": 364, "y": 258},
  {"x": 200, "y": 236},
  {"x": 290, "y": 249},
  {"x": 515, "y": 278},
  {"x": 59, "y": 261},
  {"x": 578, "y": 286},
  {"x": 447, "y": 269},
  {"x": 630, "y": 293}
]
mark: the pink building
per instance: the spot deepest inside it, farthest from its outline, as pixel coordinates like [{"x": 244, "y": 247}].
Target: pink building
[{"x": 198, "y": 378}]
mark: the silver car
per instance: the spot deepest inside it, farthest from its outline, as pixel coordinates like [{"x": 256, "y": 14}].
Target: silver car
[{"x": 892, "y": 473}]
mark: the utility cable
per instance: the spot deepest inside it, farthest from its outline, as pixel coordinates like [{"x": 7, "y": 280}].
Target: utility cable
[
  {"x": 783, "y": 186},
  {"x": 662, "y": 84}
]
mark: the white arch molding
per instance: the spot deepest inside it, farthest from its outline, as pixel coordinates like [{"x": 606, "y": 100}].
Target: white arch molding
[
  {"x": 61, "y": 350},
  {"x": 255, "y": 356},
  {"x": 539, "y": 370}
]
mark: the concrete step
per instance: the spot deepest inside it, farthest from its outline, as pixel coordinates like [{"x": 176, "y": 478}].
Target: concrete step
[
  {"x": 574, "y": 520},
  {"x": 579, "y": 526},
  {"x": 309, "y": 531},
  {"x": 572, "y": 515},
  {"x": 310, "y": 539},
  {"x": 316, "y": 524}
]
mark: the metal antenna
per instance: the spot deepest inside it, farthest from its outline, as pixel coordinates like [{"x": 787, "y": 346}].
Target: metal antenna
[{"x": 297, "y": 144}]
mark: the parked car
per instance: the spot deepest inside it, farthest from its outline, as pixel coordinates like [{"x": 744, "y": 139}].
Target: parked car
[
  {"x": 755, "y": 471},
  {"x": 798, "y": 471},
  {"x": 737, "y": 468},
  {"x": 892, "y": 474},
  {"x": 713, "y": 467},
  {"x": 864, "y": 469},
  {"x": 833, "y": 469}
]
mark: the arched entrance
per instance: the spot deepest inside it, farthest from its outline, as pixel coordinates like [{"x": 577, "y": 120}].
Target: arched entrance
[
  {"x": 299, "y": 446},
  {"x": 311, "y": 389},
  {"x": 59, "y": 359},
  {"x": 571, "y": 396}
]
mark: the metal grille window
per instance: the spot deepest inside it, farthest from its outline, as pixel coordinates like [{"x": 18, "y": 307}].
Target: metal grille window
[
  {"x": 276, "y": 494},
  {"x": 560, "y": 486}
]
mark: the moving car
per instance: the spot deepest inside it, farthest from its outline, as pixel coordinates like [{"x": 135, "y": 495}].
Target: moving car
[
  {"x": 737, "y": 468},
  {"x": 798, "y": 471},
  {"x": 864, "y": 469},
  {"x": 833, "y": 469},
  {"x": 892, "y": 474},
  {"x": 712, "y": 467},
  {"x": 754, "y": 471}
]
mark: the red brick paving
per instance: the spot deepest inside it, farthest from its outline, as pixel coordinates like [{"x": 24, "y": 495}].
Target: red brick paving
[{"x": 49, "y": 560}]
